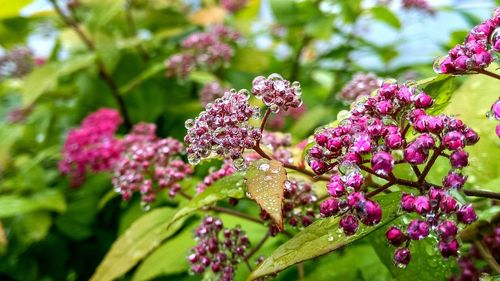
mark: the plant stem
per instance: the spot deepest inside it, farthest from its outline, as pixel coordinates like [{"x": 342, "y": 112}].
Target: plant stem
[
  {"x": 235, "y": 213},
  {"x": 133, "y": 30},
  {"x": 300, "y": 271},
  {"x": 380, "y": 189},
  {"x": 489, "y": 73},
  {"x": 100, "y": 65},
  {"x": 486, "y": 254},
  {"x": 261, "y": 152},
  {"x": 429, "y": 165},
  {"x": 392, "y": 180},
  {"x": 295, "y": 72},
  {"x": 258, "y": 246},
  {"x": 482, "y": 193}
]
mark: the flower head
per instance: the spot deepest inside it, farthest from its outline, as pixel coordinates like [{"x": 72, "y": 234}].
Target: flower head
[
  {"x": 222, "y": 128},
  {"x": 148, "y": 165},
  {"x": 93, "y": 146}
]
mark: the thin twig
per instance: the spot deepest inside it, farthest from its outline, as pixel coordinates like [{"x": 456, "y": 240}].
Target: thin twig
[
  {"x": 133, "y": 30},
  {"x": 300, "y": 271},
  {"x": 482, "y": 193},
  {"x": 380, "y": 189},
  {"x": 489, "y": 73},
  {"x": 71, "y": 22},
  {"x": 258, "y": 246},
  {"x": 235, "y": 213},
  {"x": 486, "y": 254},
  {"x": 429, "y": 165}
]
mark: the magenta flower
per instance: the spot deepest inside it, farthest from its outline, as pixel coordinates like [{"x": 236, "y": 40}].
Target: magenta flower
[
  {"x": 92, "y": 147},
  {"x": 148, "y": 165}
]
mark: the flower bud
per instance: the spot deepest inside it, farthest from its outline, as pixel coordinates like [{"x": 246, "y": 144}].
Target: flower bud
[
  {"x": 382, "y": 163},
  {"x": 370, "y": 213},
  {"x": 395, "y": 236},
  {"x": 407, "y": 201},
  {"x": 448, "y": 249},
  {"x": 349, "y": 224},
  {"x": 459, "y": 159},
  {"x": 448, "y": 204},
  {"x": 336, "y": 186},
  {"x": 466, "y": 214},
  {"x": 454, "y": 180},
  {"x": 418, "y": 229},
  {"x": 402, "y": 257},
  {"x": 447, "y": 229},
  {"x": 422, "y": 204},
  {"x": 422, "y": 100},
  {"x": 453, "y": 140},
  {"x": 329, "y": 207}
]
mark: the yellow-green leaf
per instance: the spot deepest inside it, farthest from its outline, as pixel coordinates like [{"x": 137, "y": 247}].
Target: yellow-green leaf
[
  {"x": 227, "y": 187},
  {"x": 140, "y": 239},
  {"x": 266, "y": 183},
  {"x": 322, "y": 237},
  {"x": 12, "y": 8}
]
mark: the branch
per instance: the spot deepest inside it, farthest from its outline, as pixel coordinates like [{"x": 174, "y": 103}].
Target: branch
[
  {"x": 380, "y": 189},
  {"x": 486, "y": 254},
  {"x": 235, "y": 213},
  {"x": 429, "y": 165},
  {"x": 482, "y": 193},
  {"x": 100, "y": 65},
  {"x": 133, "y": 30},
  {"x": 258, "y": 246},
  {"x": 489, "y": 73}
]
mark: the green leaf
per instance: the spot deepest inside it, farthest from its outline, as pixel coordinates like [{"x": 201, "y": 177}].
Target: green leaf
[
  {"x": 358, "y": 261},
  {"x": 322, "y": 237},
  {"x": 441, "y": 88},
  {"x": 145, "y": 75},
  {"x": 169, "y": 258},
  {"x": 12, "y": 205},
  {"x": 385, "y": 15},
  {"x": 265, "y": 181},
  {"x": 103, "y": 11},
  {"x": 142, "y": 237},
  {"x": 45, "y": 77},
  {"x": 12, "y": 8},
  {"x": 227, "y": 187},
  {"x": 426, "y": 261},
  {"x": 32, "y": 227}
]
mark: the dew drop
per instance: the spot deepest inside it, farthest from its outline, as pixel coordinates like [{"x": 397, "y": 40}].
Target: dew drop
[
  {"x": 436, "y": 65},
  {"x": 264, "y": 167},
  {"x": 189, "y": 124},
  {"x": 274, "y": 108},
  {"x": 245, "y": 93}
]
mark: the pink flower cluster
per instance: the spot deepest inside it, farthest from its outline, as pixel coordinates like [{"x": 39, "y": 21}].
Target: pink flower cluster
[
  {"x": 419, "y": 5},
  {"x": 218, "y": 249},
  {"x": 277, "y": 93},
  {"x": 361, "y": 85},
  {"x": 211, "y": 91},
  {"x": 375, "y": 132},
  {"x": 226, "y": 170},
  {"x": 233, "y": 5},
  {"x": 440, "y": 213},
  {"x": 210, "y": 49},
  {"x": 93, "y": 146},
  {"x": 476, "y": 52},
  {"x": 298, "y": 206},
  {"x": 148, "y": 165},
  {"x": 16, "y": 63},
  {"x": 222, "y": 128}
]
